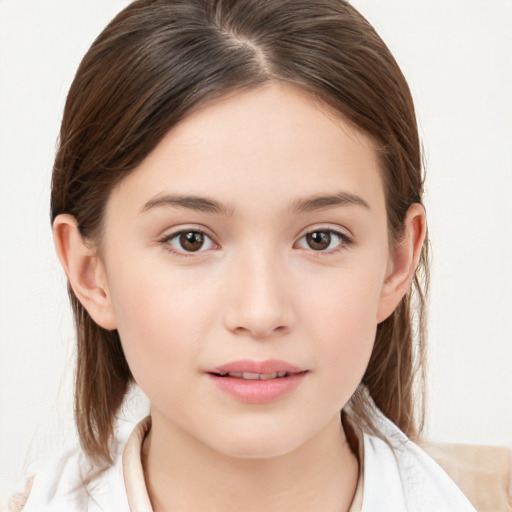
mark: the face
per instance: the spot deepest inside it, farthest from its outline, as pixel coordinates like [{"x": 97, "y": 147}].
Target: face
[{"x": 245, "y": 260}]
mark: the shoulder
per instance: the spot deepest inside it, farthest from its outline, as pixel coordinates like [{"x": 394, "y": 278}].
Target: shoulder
[
  {"x": 18, "y": 500},
  {"x": 68, "y": 483},
  {"x": 399, "y": 476},
  {"x": 483, "y": 473}
]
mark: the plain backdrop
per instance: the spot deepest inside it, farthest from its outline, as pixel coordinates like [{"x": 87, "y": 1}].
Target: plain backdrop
[{"x": 457, "y": 56}]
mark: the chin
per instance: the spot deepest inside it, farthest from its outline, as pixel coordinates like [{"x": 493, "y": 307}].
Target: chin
[{"x": 258, "y": 443}]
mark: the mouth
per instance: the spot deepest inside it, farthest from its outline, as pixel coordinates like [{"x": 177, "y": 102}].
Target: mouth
[
  {"x": 257, "y": 382},
  {"x": 254, "y": 376},
  {"x": 249, "y": 369}
]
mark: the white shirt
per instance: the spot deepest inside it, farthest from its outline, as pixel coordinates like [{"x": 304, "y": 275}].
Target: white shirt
[{"x": 395, "y": 476}]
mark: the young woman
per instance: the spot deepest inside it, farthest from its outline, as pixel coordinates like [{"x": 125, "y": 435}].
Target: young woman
[{"x": 236, "y": 202}]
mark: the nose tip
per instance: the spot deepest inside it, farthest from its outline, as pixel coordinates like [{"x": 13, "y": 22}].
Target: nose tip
[
  {"x": 258, "y": 316},
  {"x": 259, "y": 303}
]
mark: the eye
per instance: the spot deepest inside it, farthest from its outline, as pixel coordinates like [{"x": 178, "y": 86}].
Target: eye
[
  {"x": 323, "y": 240},
  {"x": 189, "y": 241}
]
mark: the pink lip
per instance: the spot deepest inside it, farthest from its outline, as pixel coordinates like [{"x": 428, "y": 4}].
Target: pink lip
[
  {"x": 257, "y": 391},
  {"x": 248, "y": 365}
]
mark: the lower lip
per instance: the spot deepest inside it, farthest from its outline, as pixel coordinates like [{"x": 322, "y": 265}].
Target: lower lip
[{"x": 257, "y": 391}]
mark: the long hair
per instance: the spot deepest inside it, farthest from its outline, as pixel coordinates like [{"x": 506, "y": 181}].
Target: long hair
[{"x": 160, "y": 60}]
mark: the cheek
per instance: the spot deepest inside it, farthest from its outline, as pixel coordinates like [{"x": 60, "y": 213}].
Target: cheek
[
  {"x": 162, "y": 318},
  {"x": 342, "y": 319},
  {"x": 347, "y": 327},
  {"x": 342, "y": 303}
]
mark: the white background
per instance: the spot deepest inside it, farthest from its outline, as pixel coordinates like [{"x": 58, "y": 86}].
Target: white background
[{"x": 457, "y": 56}]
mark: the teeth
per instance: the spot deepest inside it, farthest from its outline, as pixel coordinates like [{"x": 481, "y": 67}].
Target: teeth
[
  {"x": 255, "y": 376},
  {"x": 250, "y": 376},
  {"x": 267, "y": 376}
]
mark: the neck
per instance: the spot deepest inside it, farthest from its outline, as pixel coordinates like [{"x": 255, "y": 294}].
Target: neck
[{"x": 183, "y": 474}]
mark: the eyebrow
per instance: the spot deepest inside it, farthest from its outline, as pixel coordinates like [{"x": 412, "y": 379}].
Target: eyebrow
[
  {"x": 209, "y": 205},
  {"x": 198, "y": 203},
  {"x": 321, "y": 201}
]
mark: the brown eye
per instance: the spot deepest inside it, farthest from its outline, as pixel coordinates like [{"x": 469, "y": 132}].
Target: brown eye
[
  {"x": 191, "y": 240},
  {"x": 183, "y": 242},
  {"x": 318, "y": 240},
  {"x": 324, "y": 240}
]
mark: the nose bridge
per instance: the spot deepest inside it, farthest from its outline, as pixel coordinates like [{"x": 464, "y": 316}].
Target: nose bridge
[{"x": 259, "y": 301}]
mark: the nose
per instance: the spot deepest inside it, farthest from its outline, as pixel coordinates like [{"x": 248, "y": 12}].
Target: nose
[{"x": 259, "y": 303}]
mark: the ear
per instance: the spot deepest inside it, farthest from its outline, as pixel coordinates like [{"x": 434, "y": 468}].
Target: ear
[
  {"x": 84, "y": 270},
  {"x": 403, "y": 261}
]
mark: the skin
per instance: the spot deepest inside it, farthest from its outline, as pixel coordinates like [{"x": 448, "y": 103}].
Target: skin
[{"x": 255, "y": 290}]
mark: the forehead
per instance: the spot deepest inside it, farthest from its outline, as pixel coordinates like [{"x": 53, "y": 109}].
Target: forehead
[
  {"x": 276, "y": 115},
  {"x": 273, "y": 143}
]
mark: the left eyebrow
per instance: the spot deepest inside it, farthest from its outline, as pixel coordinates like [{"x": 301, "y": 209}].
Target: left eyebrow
[
  {"x": 318, "y": 202},
  {"x": 198, "y": 203}
]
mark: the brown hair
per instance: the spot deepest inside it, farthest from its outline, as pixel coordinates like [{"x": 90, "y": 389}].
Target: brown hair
[{"x": 158, "y": 61}]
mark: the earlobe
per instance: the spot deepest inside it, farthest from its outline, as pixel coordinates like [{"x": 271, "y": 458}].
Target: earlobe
[
  {"x": 403, "y": 261},
  {"x": 84, "y": 270}
]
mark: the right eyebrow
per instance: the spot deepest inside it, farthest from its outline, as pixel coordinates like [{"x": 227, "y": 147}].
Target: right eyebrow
[
  {"x": 321, "y": 201},
  {"x": 191, "y": 202}
]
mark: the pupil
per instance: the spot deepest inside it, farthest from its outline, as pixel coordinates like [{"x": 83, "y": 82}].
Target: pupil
[
  {"x": 318, "y": 240},
  {"x": 192, "y": 241}
]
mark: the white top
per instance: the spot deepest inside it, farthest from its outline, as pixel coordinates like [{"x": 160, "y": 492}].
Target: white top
[{"x": 395, "y": 477}]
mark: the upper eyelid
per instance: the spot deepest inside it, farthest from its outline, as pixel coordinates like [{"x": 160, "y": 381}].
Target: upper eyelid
[
  {"x": 172, "y": 232},
  {"x": 344, "y": 232},
  {"x": 335, "y": 232}
]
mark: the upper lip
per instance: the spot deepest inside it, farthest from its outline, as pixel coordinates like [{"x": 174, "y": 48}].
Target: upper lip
[{"x": 262, "y": 367}]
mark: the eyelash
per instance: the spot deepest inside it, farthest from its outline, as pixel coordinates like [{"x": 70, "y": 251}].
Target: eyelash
[{"x": 344, "y": 241}]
